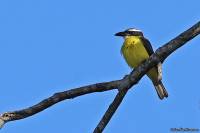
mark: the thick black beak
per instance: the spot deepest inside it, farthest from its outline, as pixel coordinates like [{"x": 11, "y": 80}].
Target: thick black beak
[{"x": 120, "y": 34}]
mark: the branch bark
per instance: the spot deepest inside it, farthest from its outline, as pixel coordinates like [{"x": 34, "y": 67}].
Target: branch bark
[{"x": 122, "y": 85}]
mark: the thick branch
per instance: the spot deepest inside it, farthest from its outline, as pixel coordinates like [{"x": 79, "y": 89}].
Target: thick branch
[{"x": 126, "y": 83}]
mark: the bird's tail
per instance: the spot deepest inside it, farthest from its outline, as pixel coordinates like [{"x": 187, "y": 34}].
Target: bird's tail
[{"x": 161, "y": 91}]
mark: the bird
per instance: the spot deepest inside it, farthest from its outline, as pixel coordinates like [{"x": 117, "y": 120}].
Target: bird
[{"x": 136, "y": 49}]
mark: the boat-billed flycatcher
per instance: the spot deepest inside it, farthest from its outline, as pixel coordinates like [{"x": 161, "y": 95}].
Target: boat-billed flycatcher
[{"x": 136, "y": 49}]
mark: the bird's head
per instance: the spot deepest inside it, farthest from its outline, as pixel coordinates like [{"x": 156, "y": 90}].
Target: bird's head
[{"x": 129, "y": 33}]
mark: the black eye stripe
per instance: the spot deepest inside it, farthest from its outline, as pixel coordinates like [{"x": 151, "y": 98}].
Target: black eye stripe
[{"x": 130, "y": 32}]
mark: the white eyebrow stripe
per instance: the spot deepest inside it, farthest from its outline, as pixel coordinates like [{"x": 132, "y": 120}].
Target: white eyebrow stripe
[{"x": 133, "y": 30}]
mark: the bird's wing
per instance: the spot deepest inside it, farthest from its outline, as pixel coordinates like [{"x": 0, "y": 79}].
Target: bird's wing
[{"x": 147, "y": 45}]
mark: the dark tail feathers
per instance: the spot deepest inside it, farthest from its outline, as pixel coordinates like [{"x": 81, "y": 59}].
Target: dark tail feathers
[{"x": 161, "y": 91}]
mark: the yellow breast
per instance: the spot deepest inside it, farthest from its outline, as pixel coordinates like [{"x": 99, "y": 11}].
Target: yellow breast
[{"x": 134, "y": 51}]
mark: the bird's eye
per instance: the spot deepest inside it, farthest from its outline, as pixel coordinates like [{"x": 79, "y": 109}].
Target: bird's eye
[{"x": 131, "y": 32}]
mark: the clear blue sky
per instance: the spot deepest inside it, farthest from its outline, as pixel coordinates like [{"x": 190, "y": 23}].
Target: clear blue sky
[{"x": 52, "y": 46}]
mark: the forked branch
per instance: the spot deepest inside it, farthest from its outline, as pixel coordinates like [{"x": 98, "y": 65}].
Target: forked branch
[{"x": 122, "y": 85}]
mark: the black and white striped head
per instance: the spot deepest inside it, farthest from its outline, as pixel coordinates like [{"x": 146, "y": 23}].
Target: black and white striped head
[{"x": 129, "y": 33}]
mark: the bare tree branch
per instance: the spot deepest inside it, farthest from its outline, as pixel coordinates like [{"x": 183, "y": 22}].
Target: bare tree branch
[
  {"x": 111, "y": 110},
  {"x": 122, "y": 85},
  {"x": 57, "y": 97}
]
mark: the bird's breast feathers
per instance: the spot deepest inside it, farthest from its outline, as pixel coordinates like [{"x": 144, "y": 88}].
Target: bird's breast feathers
[{"x": 134, "y": 51}]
